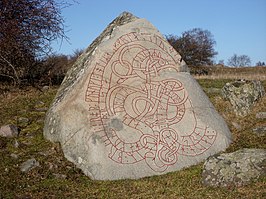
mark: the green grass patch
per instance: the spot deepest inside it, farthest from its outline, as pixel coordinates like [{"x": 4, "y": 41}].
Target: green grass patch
[
  {"x": 58, "y": 178},
  {"x": 213, "y": 83}
]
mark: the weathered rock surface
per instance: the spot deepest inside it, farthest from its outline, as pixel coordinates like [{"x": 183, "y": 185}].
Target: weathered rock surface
[
  {"x": 261, "y": 115},
  {"x": 9, "y": 130},
  {"x": 242, "y": 94},
  {"x": 128, "y": 108},
  {"x": 29, "y": 164},
  {"x": 235, "y": 169}
]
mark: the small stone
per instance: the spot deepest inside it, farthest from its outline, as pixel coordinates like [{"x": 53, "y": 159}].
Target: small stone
[
  {"x": 260, "y": 130},
  {"x": 236, "y": 125},
  {"x": 13, "y": 155},
  {"x": 45, "y": 88},
  {"x": 261, "y": 115},
  {"x": 29, "y": 164},
  {"x": 9, "y": 130},
  {"x": 16, "y": 144},
  {"x": 80, "y": 160},
  {"x": 234, "y": 169}
]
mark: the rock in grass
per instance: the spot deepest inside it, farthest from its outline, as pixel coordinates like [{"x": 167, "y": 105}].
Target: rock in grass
[
  {"x": 45, "y": 88},
  {"x": 128, "y": 107},
  {"x": 234, "y": 169},
  {"x": 16, "y": 144},
  {"x": 29, "y": 164},
  {"x": 9, "y": 130},
  {"x": 261, "y": 130},
  {"x": 243, "y": 94},
  {"x": 13, "y": 155},
  {"x": 236, "y": 125},
  {"x": 261, "y": 115}
]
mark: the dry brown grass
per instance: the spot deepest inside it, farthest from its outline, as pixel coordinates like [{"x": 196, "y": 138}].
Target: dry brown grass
[{"x": 249, "y": 73}]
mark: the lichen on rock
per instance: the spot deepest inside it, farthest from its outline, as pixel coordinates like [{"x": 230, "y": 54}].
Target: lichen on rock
[
  {"x": 234, "y": 169},
  {"x": 243, "y": 94}
]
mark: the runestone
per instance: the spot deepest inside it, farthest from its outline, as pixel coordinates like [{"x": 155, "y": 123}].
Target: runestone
[
  {"x": 136, "y": 111},
  {"x": 126, "y": 86}
]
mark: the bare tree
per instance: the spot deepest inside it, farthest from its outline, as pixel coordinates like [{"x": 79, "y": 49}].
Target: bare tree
[
  {"x": 260, "y": 63},
  {"x": 27, "y": 29},
  {"x": 239, "y": 61},
  {"x": 52, "y": 69},
  {"x": 196, "y": 46}
]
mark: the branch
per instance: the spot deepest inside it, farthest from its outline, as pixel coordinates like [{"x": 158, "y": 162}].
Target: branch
[
  {"x": 13, "y": 68},
  {"x": 9, "y": 77}
]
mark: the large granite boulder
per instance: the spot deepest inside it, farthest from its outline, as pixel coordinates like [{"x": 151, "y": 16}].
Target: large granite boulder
[
  {"x": 243, "y": 94},
  {"x": 235, "y": 169},
  {"x": 128, "y": 108}
]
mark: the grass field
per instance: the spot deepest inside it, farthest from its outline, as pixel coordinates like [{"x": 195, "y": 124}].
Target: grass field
[
  {"x": 58, "y": 178},
  {"x": 214, "y": 72}
]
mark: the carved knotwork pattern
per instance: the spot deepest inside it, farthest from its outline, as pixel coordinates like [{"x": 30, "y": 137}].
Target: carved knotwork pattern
[{"x": 138, "y": 111}]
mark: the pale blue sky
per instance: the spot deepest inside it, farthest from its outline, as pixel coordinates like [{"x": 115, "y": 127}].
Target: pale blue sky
[{"x": 238, "y": 26}]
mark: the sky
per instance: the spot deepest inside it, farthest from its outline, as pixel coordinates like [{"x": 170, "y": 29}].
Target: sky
[{"x": 238, "y": 26}]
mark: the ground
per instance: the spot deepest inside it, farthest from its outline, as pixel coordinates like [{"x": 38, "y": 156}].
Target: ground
[{"x": 58, "y": 178}]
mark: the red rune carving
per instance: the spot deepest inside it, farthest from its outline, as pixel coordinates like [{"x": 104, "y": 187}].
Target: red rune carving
[{"x": 138, "y": 110}]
